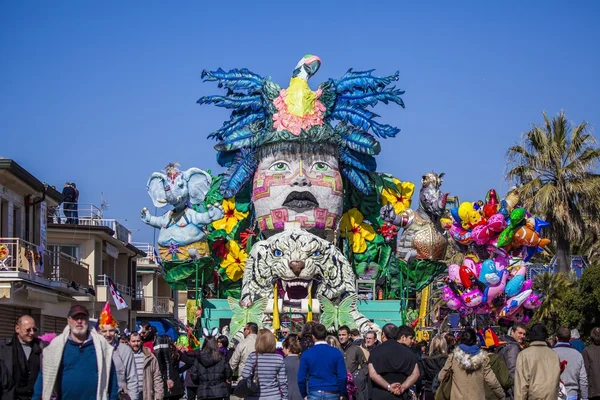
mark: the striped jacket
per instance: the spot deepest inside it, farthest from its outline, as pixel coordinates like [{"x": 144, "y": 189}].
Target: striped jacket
[{"x": 271, "y": 376}]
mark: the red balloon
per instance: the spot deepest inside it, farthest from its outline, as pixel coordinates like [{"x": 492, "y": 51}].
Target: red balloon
[
  {"x": 490, "y": 209},
  {"x": 465, "y": 275}
]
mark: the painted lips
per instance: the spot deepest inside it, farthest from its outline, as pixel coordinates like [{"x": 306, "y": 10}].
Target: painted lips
[{"x": 301, "y": 201}]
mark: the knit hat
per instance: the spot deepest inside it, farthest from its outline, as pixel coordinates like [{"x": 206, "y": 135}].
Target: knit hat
[
  {"x": 488, "y": 338},
  {"x": 106, "y": 317}
]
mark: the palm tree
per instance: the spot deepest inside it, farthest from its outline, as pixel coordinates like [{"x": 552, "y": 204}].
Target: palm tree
[
  {"x": 555, "y": 168},
  {"x": 553, "y": 286}
]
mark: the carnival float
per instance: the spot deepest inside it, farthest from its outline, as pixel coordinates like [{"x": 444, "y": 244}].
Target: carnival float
[{"x": 300, "y": 219}]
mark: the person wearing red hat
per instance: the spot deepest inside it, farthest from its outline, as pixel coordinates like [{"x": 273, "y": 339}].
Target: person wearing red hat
[
  {"x": 122, "y": 355},
  {"x": 77, "y": 364}
]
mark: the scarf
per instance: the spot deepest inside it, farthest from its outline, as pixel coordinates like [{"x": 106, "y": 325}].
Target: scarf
[
  {"x": 470, "y": 350},
  {"x": 20, "y": 367}
]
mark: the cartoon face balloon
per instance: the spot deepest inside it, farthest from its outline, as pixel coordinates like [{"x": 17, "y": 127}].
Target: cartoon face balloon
[{"x": 293, "y": 183}]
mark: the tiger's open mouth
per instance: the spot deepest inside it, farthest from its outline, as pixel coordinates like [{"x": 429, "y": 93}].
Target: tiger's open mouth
[{"x": 293, "y": 291}]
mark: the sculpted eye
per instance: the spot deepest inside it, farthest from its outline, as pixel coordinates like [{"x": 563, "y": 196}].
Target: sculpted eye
[
  {"x": 279, "y": 167},
  {"x": 316, "y": 253},
  {"x": 277, "y": 253},
  {"x": 321, "y": 166}
]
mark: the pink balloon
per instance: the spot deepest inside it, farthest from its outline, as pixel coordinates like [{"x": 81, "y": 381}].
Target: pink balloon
[
  {"x": 480, "y": 235},
  {"x": 495, "y": 291},
  {"x": 472, "y": 265},
  {"x": 453, "y": 273},
  {"x": 450, "y": 298},
  {"x": 527, "y": 285},
  {"x": 472, "y": 298},
  {"x": 532, "y": 302},
  {"x": 496, "y": 223}
]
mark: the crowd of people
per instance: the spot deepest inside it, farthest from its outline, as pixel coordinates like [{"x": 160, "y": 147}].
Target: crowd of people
[{"x": 85, "y": 362}]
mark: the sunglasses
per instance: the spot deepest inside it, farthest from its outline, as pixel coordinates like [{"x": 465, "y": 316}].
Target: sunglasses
[{"x": 29, "y": 330}]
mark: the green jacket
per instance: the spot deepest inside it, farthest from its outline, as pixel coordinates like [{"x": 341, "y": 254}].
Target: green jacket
[{"x": 498, "y": 366}]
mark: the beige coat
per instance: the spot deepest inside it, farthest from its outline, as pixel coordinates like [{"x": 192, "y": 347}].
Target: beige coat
[
  {"x": 241, "y": 353},
  {"x": 153, "y": 383},
  {"x": 537, "y": 375},
  {"x": 469, "y": 376}
]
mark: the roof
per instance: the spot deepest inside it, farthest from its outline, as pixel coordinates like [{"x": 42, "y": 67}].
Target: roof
[
  {"x": 97, "y": 228},
  {"x": 14, "y": 168}
]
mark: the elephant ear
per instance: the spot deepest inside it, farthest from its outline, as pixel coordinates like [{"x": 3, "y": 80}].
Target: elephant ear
[
  {"x": 156, "y": 189},
  {"x": 198, "y": 183}
]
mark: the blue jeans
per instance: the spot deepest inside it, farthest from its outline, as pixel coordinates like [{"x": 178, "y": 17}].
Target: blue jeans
[{"x": 319, "y": 395}]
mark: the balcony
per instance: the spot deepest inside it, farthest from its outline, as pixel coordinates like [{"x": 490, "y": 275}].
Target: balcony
[
  {"x": 151, "y": 260},
  {"x": 24, "y": 260},
  {"x": 18, "y": 255},
  {"x": 102, "y": 293},
  {"x": 155, "y": 305},
  {"x": 88, "y": 214}
]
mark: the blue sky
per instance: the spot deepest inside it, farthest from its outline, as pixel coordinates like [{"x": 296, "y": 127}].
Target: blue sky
[{"x": 103, "y": 93}]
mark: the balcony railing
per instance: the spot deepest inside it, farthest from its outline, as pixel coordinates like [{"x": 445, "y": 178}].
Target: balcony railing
[
  {"x": 102, "y": 280},
  {"x": 17, "y": 255},
  {"x": 156, "y": 305},
  {"x": 89, "y": 215},
  {"x": 150, "y": 259}
]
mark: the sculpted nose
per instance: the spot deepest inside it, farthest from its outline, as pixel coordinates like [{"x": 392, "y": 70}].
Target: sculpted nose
[
  {"x": 301, "y": 180},
  {"x": 297, "y": 267}
]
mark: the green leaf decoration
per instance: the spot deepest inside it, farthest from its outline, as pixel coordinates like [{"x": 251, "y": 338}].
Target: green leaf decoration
[
  {"x": 335, "y": 315},
  {"x": 419, "y": 273},
  {"x": 216, "y": 234},
  {"x": 385, "y": 253},
  {"x": 213, "y": 196},
  {"x": 191, "y": 312},
  {"x": 180, "y": 272},
  {"x": 360, "y": 268},
  {"x": 243, "y": 315},
  {"x": 178, "y": 285}
]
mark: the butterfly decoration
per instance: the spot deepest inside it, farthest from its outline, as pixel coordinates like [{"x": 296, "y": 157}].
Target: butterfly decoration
[
  {"x": 333, "y": 315},
  {"x": 243, "y": 315}
]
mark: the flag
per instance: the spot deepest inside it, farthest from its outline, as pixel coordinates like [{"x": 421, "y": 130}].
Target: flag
[{"x": 116, "y": 295}]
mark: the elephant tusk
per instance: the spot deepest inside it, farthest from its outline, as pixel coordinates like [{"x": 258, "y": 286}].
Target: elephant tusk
[{"x": 162, "y": 201}]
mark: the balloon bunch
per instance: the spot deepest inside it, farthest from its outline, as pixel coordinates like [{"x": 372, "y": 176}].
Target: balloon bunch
[{"x": 496, "y": 238}]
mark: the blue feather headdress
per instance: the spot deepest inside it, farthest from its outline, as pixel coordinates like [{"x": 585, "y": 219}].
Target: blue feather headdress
[{"x": 348, "y": 124}]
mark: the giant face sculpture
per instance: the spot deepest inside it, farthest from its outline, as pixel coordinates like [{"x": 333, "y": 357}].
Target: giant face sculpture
[{"x": 299, "y": 183}]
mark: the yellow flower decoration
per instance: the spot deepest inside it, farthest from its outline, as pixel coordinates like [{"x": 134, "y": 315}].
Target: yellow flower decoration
[
  {"x": 235, "y": 261},
  {"x": 358, "y": 232},
  {"x": 231, "y": 216},
  {"x": 399, "y": 198}
]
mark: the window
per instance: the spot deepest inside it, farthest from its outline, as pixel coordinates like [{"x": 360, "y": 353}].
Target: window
[
  {"x": 139, "y": 288},
  {"x": 17, "y": 228},
  {"x": 3, "y": 218},
  {"x": 69, "y": 250}
]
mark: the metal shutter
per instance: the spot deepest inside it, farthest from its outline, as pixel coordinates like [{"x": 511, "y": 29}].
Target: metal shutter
[
  {"x": 8, "y": 318},
  {"x": 53, "y": 324}
]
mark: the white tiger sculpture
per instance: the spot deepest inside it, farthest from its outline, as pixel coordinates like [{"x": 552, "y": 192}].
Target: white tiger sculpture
[{"x": 299, "y": 261}]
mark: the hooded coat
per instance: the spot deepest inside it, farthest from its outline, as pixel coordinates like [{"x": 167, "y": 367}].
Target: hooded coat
[
  {"x": 213, "y": 377},
  {"x": 471, "y": 373}
]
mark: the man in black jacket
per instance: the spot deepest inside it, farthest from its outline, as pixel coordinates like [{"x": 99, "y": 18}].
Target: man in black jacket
[
  {"x": 159, "y": 346},
  {"x": 21, "y": 357},
  {"x": 68, "y": 202}
]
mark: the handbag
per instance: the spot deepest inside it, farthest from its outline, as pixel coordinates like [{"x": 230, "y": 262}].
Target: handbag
[
  {"x": 445, "y": 389},
  {"x": 250, "y": 385}
]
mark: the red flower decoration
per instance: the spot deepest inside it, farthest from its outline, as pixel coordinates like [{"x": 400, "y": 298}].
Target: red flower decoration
[
  {"x": 388, "y": 231},
  {"x": 218, "y": 247},
  {"x": 245, "y": 235}
]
